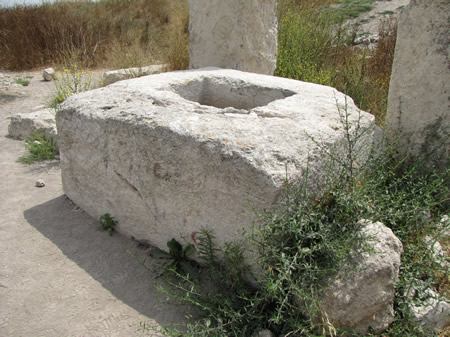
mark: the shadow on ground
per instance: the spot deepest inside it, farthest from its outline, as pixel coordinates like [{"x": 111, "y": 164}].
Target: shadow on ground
[{"x": 106, "y": 258}]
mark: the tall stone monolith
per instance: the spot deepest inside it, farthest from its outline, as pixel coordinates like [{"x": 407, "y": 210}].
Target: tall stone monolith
[
  {"x": 418, "y": 106},
  {"x": 234, "y": 34}
]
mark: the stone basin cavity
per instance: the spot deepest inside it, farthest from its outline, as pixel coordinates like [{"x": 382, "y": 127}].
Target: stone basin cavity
[
  {"x": 165, "y": 157},
  {"x": 229, "y": 92}
]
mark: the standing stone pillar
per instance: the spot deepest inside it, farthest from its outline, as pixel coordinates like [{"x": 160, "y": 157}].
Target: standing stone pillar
[
  {"x": 418, "y": 105},
  {"x": 234, "y": 34}
]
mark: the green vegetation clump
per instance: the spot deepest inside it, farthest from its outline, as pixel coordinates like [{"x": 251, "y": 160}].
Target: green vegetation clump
[
  {"x": 177, "y": 259},
  {"x": 108, "y": 223},
  {"x": 22, "y": 81},
  {"x": 301, "y": 55},
  {"x": 39, "y": 148},
  {"x": 386, "y": 12}
]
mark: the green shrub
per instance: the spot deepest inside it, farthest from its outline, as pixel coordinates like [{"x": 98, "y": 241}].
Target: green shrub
[
  {"x": 108, "y": 223},
  {"x": 39, "y": 148},
  {"x": 304, "y": 43},
  {"x": 177, "y": 259}
]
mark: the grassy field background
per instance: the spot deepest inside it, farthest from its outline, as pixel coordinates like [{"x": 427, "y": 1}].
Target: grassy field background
[{"x": 107, "y": 33}]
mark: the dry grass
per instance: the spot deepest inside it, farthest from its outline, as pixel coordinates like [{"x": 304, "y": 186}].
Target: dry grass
[{"x": 107, "y": 33}]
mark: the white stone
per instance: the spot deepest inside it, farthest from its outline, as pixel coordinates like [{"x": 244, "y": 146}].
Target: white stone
[
  {"x": 49, "y": 74},
  {"x": 439, "y": 254},
  {"x": 364, "y": 296},
  {"x": 171, "y": 153},
  {"x": 263, "y": 333},
  {"x": 24, "y": 125},
  {"x": 113, "y": 76},
  {"x": 40, "y": 183},
  {"x": 418, "y": 105},
  {"x": 234, "y": 34},
  {"x": 433, "y": 312},
  {"x": 444, "y": 225}
]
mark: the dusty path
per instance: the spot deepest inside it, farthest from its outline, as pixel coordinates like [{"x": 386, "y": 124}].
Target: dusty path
[{"x": 60, "y": 275}]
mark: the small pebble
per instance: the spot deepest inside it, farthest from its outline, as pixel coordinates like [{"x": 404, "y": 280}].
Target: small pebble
[{"x": 40, "y": 183}]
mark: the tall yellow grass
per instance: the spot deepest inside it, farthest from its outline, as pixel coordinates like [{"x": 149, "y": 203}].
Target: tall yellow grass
[{"x": 107, "y": 33}]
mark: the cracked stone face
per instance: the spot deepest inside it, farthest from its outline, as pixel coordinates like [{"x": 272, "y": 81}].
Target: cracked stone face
[{"x": 172, "y": 153}]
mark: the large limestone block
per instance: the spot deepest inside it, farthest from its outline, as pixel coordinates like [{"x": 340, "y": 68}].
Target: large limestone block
[
  {"x": 234, "y": 34},
  {"x": 171, "y": 153},
  {"x": 418, "y": 106},
  {"x": 364, "y": 297}
]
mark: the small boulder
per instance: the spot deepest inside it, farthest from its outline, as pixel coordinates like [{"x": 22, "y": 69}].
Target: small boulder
[
  {"x": 49, "y": 74},
  {"x": 363, "y": 298},
  {"x": 24, "y": 125},
  {"x": 432, "y": 312}
]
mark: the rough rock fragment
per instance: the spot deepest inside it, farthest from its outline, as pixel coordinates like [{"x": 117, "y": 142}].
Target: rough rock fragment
[
  {"x": 24, "y": 125},
  {"x": 430, "y": 310},
  {"x": 48, "y": 74},
  {"x": 364, "y": 297}
]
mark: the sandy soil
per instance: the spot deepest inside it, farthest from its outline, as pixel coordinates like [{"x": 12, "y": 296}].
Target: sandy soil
[{"x": 60, "y": 275}]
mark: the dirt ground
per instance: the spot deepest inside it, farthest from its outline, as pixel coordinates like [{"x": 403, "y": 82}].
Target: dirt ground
[{"x": 60, "y": 275}]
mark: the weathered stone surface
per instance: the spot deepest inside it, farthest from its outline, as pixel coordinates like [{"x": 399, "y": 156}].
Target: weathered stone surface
[
  {"x": 48, "y": 74},
  {"x": 171, "y": 153},
  {"x": 113, "y": 76},
  {"x": 364, "y": 298},
  {"x": 418, "y": 107},
  {"x": 234, "y": 34},
  {"x": 41, "y": 121},
  {"x": 429, "y": 309}
]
